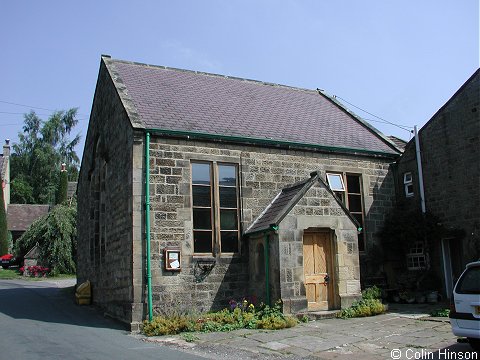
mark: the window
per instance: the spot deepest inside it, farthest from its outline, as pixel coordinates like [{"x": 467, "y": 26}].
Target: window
[
  {"x": 215, "y": 207},
  {"x": 416, "y": 259},
  {"x": 408, "y": 184},
  {"x": 336, "y": 182},
  {"x": 351, "y": 196},
  {"x": 469, "y": 282}
]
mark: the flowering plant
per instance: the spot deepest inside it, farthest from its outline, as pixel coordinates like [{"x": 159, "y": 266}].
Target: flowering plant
[
  {"x": 247, "y": 304},
  {"x": 35, "y": 271}
]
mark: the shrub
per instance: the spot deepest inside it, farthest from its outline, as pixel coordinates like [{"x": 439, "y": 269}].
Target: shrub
[
  {"x": 240, "y": 315},
  {"x": 161, "y": 325},
  {"x": 55, "y": 234},
  {"x": 369, "y": 305},
  {"x": 372, "y": 293},
  {"x": 34, "y": 271}
]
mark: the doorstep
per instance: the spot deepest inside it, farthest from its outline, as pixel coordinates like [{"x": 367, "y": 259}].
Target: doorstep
[{"x": 319, "y": 315}]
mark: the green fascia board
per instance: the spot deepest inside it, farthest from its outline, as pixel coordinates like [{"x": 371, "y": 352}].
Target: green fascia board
[{"x": 271, "y": 142}]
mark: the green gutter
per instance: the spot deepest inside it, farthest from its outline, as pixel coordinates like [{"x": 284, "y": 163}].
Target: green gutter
[
  {"x": 147, "y": 224},
  {"x": 269, "y": 142}
]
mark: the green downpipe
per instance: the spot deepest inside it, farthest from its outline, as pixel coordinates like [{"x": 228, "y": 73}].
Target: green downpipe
[
  {"x": 267, "y": 268},
  {"x": 147, "y": 224}
]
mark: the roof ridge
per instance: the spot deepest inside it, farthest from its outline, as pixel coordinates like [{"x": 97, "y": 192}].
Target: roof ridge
[{"x": 205, "y": 73}]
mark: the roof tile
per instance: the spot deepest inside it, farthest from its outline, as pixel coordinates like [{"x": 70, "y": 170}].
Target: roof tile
[
  {"x": 182, "y": 100},
  {"x": 21, "y": 216}
]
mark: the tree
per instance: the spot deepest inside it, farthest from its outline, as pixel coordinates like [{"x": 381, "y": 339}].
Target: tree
[
  {"x": 56, "y": 235},
  {"x": 42, "y": 147},
  {"x": 3, "y": 225}
]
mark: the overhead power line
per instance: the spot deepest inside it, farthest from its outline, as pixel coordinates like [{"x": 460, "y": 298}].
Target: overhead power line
[
  {"x": 29, "y": 106},
  {"x": 381, "y": 120}
]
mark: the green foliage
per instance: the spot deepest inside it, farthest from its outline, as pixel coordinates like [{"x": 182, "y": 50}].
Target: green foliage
[
  {"x": 304, "y": 319},
  {"x": 362, "y": 308},
  {"x": 369, "y": 305},
  {"x": 440, "y": 313},
  {"x": 242, "y": 317},
  {"x": 373, "y": 292},
  {"x": 188, "y": 337},
  {"x": 3, "y": 225},
  {"x": 404, "y": 227},
  {"x": 56, "y": 235},
  {"x": 61, "y": 195},
  {"x": 42, "y": 147}
]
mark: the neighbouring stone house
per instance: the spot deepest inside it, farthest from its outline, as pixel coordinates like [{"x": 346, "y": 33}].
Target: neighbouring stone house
[
  {"x": 450, "y": 157},
  {"x": 198, "y": 188},
  {"x": 5, "y": 172},
  {"x": 21, "y": 216}
]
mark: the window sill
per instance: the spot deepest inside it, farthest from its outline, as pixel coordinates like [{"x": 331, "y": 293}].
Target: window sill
[
  {"x": 213, "y": 258},
  {"x": 203, "y": 257}
]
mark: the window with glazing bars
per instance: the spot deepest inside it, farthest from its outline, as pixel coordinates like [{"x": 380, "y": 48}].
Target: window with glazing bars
[
  {"x": 215, "y": 207},
  {"x": 348, "y": 188}
]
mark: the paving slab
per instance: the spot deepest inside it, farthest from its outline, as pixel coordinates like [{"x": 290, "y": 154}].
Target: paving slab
[
  {"x": 359, "y": 338},
  {"x": 272, "y": 335},
  {"x": 275, "y": 345}
]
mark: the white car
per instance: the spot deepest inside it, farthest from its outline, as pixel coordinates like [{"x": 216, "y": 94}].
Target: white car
[{"x": 465, "y": 305}]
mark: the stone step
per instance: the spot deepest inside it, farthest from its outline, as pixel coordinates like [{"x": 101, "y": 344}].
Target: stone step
[{"x": 318, "y": 315}]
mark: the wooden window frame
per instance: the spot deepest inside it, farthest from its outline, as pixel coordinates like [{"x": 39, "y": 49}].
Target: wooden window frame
[
  {"x": 416, "y": 257},
  {"x": 211, "y": 207},
  {"x": 218, "y": 207},
  {"x": 344, "y": 197},
  {"x": 215, "y": 209},
  {"x": 408, "y": 184}
]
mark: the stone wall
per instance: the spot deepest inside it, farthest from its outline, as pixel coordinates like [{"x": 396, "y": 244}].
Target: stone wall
[
  {"x": 105, "y": 206},
  {"x": 450, "y": 146},
  {"x": 318, "y": 210},
  {"x": 111, "y": 210},
  {"x": 263, "y": 173}
]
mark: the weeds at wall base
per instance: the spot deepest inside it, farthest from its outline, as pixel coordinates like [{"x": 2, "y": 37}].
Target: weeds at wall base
[{"x": 244, "y": 317}]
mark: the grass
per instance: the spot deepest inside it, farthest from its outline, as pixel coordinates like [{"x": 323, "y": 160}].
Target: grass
[{"x": 13, "y": 274}]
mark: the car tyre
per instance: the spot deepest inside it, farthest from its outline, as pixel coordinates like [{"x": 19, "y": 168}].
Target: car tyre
[{"x": 5, "y": 266}]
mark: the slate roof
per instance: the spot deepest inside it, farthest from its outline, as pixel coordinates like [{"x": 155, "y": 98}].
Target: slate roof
[
  {"x": 400, "y": 143},
  {"x": 21, "y": 216},
  {"x": 285, "y": 200},
  {"x": 157, "y": 97}
]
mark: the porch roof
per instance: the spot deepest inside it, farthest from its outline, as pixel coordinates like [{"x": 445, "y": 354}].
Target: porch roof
[{"x": 286, "y": 199}]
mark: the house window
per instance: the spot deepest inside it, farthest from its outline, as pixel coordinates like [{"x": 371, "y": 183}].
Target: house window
[
  {"x": 416, "y": 259},
  {"x": 215, "y": 207},
  {"x": 336, "y": 182},
  {"x": 348, "y": 188},
  {"x": 408, "y": 184}
]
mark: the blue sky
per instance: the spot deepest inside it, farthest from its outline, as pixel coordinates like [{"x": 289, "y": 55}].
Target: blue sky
[{"x": 399, "y": 60}]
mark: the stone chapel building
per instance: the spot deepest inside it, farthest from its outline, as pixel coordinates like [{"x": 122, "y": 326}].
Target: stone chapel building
[{"x": 198, "y": 188}]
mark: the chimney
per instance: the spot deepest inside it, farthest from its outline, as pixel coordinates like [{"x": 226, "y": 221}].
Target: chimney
[{"x": 6, "y": 148}]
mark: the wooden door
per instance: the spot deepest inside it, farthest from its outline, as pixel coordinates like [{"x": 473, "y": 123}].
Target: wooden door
[{"x": 317, "y": 265}]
